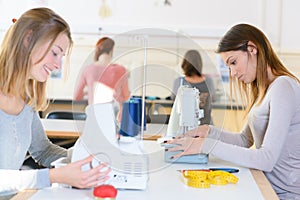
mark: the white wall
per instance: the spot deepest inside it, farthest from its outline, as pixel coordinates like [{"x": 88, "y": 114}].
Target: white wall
[{"x": 171, "y": 30}]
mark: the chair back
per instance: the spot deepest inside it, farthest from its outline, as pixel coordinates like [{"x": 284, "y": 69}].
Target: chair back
[{"x": 69, "y": 115}]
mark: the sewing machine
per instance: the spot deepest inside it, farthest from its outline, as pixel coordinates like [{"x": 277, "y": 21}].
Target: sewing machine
[
  {"x": 185, "y": 116},
  {"x": 124, "y": 155}
]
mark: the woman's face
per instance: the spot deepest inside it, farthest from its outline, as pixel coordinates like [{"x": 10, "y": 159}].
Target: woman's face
[
  {"x": 40, "y": 71},
  {"x": 242, "y": 64}
]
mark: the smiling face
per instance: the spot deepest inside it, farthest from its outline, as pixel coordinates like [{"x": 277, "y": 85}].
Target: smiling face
[
  {"x": 242, "y": 64},
  {"x": 41, "y": 70}
]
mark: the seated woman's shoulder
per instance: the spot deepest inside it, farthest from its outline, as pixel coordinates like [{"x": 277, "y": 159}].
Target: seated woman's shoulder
[{"x": 281, "y": 80}]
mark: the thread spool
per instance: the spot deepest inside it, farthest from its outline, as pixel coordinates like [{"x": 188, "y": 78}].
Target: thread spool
[
  {"x": 139, "y": 100},
  {"x": 131, "y": 118}
]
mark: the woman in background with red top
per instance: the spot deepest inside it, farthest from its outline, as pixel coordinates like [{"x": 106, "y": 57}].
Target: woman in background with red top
[{"x": 104, "y": 71}]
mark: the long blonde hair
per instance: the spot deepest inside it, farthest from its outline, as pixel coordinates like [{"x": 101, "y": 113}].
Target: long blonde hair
[
  {"x": 237, "y": 38},
  {"x": 24, "y": 38}
]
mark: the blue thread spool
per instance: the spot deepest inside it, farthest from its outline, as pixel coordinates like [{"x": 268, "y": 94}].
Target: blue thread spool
[
  {"x": 139, "y": 100},
  {"x": 131, "y": 118}
]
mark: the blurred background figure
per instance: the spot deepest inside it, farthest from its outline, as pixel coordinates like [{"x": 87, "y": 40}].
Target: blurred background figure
[
  {"x": 105, "y": 81},
  {"x": 193, "y": 77}
]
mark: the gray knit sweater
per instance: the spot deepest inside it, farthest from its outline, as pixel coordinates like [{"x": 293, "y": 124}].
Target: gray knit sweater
[
  {"x": 20, "y": 134},
  {"x": 274, "y": 128}
]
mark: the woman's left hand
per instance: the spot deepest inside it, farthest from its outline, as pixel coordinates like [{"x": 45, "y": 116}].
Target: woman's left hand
[
  {"x": 188, "y": 146},
  {"x": 72, "y": 174}
]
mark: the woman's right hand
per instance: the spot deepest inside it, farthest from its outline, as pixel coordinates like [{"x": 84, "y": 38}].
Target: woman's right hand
[
  {"x": 201, "y": 131},
  {"x": 72, "y": 174}
]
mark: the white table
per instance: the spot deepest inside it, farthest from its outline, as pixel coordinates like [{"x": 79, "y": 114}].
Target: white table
[{"x": 165, "y": 181}]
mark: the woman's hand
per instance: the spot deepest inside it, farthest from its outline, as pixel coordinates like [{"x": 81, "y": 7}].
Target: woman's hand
[
  {"x": 188, "y": 146},
  {"x": 72, "y": 174},
  {"x": 201, "y": 131}
]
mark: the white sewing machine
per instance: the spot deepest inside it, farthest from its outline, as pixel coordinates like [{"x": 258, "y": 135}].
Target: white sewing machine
[
  {"x": 125, "y": 155},
  {"x": 184, "y": 116}
]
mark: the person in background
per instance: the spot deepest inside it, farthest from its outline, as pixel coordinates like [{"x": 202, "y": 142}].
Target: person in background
[
  {"x": 272, "y": 95},
  {"x": 193, "y": 77},
  {"x": 32, "y": 48},
  {"x": 104, "y": 71}
]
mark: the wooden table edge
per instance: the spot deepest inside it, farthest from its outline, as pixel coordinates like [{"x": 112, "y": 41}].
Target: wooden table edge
[
  {"x": 264, "y": 185},
  {"x": 25, "y": 194},
  {"x": 73, "y": 135}
]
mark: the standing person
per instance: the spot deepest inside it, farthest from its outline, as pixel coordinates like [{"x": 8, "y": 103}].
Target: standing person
[
  {"x": 104, "y": 71},
  {"x": 193, "y": 77},
  {"x": 272, "y": 96},
  {"x": 32, "y": 48}
]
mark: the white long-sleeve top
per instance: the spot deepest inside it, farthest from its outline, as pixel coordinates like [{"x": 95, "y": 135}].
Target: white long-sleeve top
[
  {"x": 20, "y": 134},
  {"x": 274, "y": 128}
]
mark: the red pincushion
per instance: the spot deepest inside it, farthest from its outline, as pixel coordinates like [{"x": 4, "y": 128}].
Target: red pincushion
[{"x": 105, "y": 191}]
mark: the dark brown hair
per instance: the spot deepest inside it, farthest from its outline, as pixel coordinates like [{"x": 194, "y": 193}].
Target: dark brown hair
[{"x": 192, "y": 63}]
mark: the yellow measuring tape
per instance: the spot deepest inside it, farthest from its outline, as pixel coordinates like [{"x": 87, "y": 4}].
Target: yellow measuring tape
[{"x": 203, "y": 179}]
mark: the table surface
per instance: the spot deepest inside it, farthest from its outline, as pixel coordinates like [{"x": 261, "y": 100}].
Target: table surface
[
  {"x": 163, "y": 183},
  {"x": 58, "y": 128},
  {"x": 167, "y": 183},
  {"x": 263, "y": 184}
]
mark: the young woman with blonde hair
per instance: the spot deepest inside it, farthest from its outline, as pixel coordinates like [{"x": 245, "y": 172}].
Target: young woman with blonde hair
[{"x": 32, "y": 48}]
